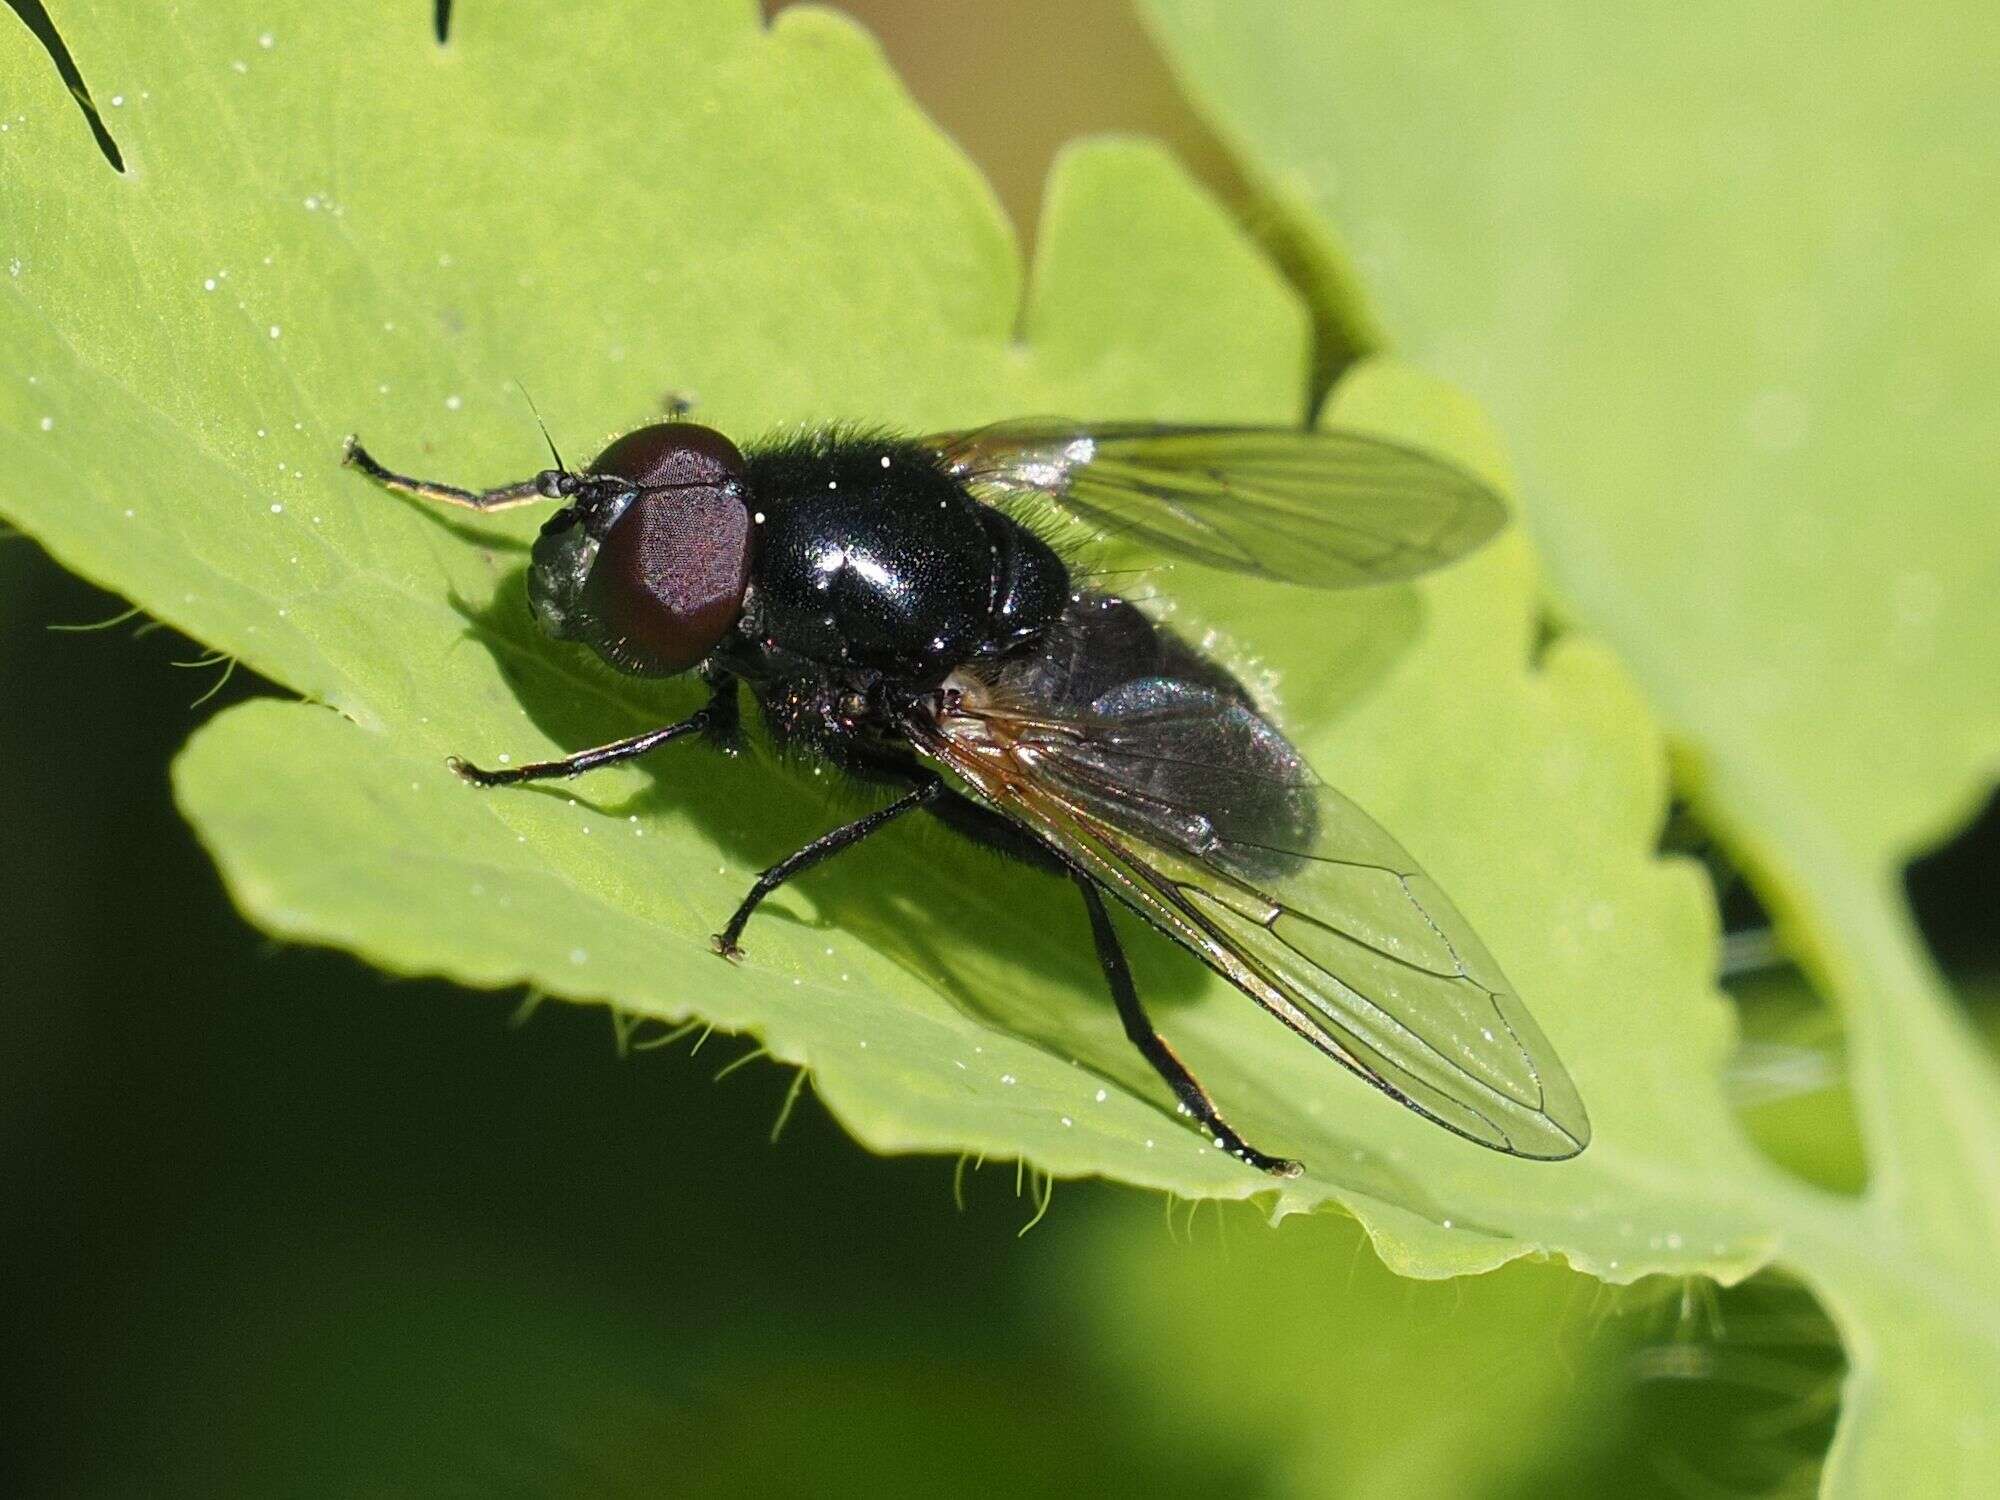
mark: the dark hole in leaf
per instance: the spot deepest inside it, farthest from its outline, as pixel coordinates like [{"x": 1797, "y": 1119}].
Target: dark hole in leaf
[
  {"x": 1787, "y": 1083},
  {"x": 1954, "y": 892},
  {"x": 1746, "y": 926},
  {"x": 1726, "y": 1391},
  {"x": 441, "y": 19},
  {"x": 1548, "y": 630},
  {"x": 34, "y": 15}
]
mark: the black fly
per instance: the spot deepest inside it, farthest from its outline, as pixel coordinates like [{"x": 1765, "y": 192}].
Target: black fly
[{"x": 892, "y": 613}]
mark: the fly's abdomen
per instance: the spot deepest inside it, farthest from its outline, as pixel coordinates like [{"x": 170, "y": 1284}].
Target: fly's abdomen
[{"x": 1174, "y": 728}]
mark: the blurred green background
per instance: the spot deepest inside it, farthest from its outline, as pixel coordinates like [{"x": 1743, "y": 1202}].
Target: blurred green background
[{"x": 278, "y": 1225}]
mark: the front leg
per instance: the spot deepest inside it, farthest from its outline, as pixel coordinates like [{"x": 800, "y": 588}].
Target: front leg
[
  {"x": 550, "y": 484},
  {"x": 718, "y": 716}
]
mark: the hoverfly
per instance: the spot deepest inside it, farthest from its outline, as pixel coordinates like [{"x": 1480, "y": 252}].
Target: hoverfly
[{"x": 895, "y": 608}]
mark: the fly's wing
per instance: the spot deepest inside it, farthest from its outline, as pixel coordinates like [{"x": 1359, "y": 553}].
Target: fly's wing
[
  {"x": 1194, "y": 812},
  {"x": 1328, "y": 509}
]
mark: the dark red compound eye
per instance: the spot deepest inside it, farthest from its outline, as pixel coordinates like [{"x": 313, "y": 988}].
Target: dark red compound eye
[
  {"x": 672, "y": 453},
  {"x": 669, "y": 577}
]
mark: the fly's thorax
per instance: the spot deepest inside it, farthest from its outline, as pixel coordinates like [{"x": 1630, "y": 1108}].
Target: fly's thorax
[{"x": 870, "y": 555}]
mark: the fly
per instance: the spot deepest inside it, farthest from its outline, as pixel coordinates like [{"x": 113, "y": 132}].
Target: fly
[{"x": 894, "y": 608}]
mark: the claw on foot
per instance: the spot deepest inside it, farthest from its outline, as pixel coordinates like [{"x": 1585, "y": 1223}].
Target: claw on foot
[
  {"x": 465, "y": 771},
  {"x": 723, "y": 948},
  {"x": 1250, "y": 1156}
]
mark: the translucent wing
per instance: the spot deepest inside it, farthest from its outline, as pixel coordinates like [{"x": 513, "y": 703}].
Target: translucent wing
[
  {"x": 1191, "y": 809},
  {"x": 1329, "y": 509}
]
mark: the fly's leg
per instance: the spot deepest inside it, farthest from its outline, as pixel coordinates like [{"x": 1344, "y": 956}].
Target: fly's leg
[
  {"x": 583, "y": 760},
  {"x": 717, "y": 716},
  {"x": 546, "y": 485},
  {"x": 1153, "y": 1047},
  {"x": 824, "y": 847}
]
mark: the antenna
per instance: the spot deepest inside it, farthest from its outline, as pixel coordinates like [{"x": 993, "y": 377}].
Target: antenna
[{"x": 561, "y": 467}]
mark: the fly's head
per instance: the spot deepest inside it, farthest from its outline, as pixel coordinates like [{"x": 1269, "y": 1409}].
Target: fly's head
[{"x": 648, "y": 560}]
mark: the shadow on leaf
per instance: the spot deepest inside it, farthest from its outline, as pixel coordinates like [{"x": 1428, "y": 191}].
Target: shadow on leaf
[{"x": 1006, "y": 944}]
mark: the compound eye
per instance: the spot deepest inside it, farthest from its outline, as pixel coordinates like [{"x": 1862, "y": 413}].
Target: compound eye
[
  {"x": 669, "y": 578},
  {"x": 671, "y": 453}
]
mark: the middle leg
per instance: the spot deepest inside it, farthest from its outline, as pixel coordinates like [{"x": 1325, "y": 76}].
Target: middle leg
[{"x": 824, "y": 847}]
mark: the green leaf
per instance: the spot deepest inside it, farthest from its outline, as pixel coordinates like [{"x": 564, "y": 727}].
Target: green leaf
[
  {"x": 397, "y": 232},
  {"x": 1726, "y": 276}
]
